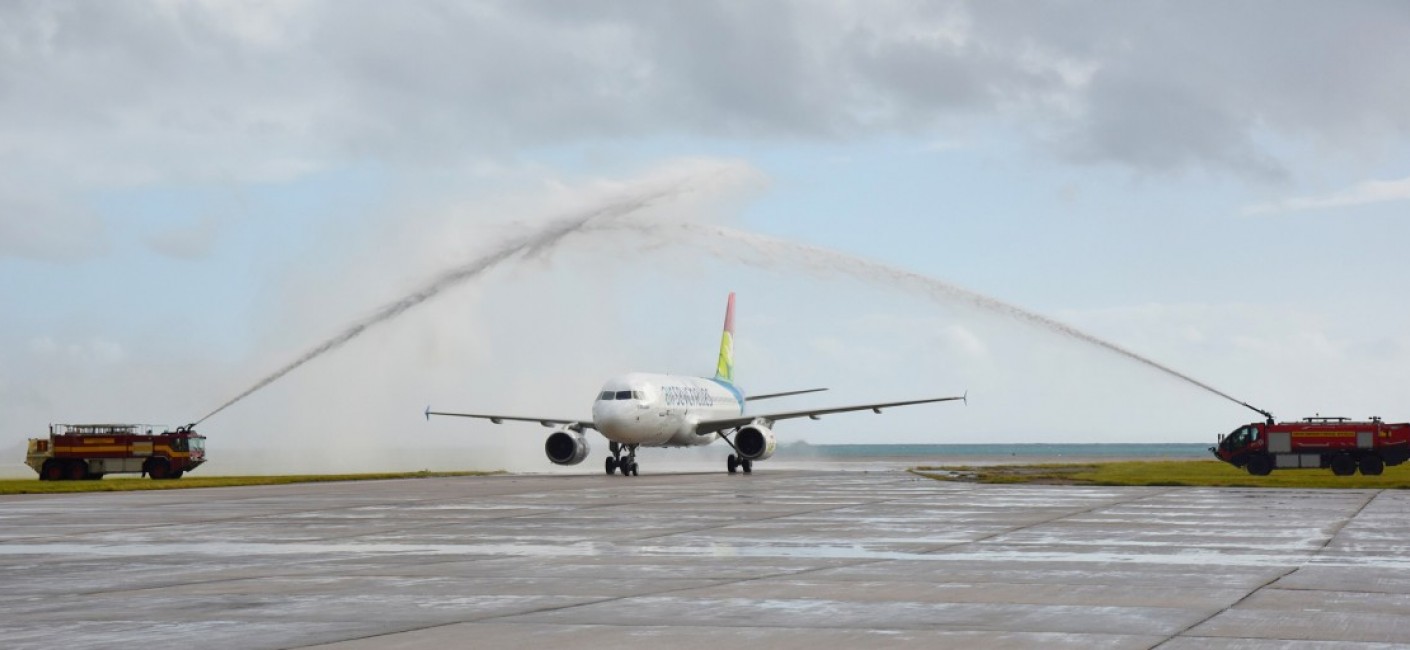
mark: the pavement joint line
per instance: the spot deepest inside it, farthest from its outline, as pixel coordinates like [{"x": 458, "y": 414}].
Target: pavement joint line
[
  {"x": 1337, "y": 530},
  {"x": 541, "y": 610},
  {"x": 648, "y": 594},
  {"x": 63, "y": 538},
  {"x": 632, "y": 583},
  {"x": 528, "y": 515},
  {"x": 1326, "y": 544},
  {"x": 723, "y": 582},
  {"x": 218, "y": 520},
  {"x": 1065, "y": 515},
  {"x": 1232, "y": 605},
  {"x": 1291, "y": 570},
  {"x": 786, "y": 515},
  {"x": 878, "y": 631}
]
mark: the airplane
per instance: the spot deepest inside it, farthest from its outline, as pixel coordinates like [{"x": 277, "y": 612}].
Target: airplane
[{"x": 651, "y": 410}]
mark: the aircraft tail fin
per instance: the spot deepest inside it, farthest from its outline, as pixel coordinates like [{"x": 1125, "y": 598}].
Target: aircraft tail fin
[{"x": 724, "y": 369}]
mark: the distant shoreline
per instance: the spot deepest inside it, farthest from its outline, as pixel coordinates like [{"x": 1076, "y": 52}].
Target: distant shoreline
[{"x": 1070, "y": 452}]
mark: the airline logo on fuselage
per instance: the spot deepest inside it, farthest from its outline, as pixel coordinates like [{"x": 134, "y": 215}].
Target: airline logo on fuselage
[{"x": 687, "y": 396}]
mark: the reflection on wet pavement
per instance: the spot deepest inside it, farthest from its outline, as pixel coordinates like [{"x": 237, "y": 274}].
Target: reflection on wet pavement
[{"x": 780, "y": 558}]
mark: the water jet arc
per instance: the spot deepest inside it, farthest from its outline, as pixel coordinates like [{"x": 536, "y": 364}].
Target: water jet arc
[{"x": 822, "y": 260}]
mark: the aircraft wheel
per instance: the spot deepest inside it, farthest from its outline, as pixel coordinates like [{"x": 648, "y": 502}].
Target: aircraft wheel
[
  {"x": 1372, "y": 465},
  {"x": 1260, "y": 466},
  {"x": 636, "y": 471},
  {"x": 1343, "y": 465},
  {"x": 732, "y": 463},
  {"x": 747, "y": 465},
  {"x": 611, "y": 465}
]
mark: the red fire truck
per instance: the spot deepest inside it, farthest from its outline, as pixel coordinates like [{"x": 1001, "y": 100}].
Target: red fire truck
[
  {"x": 88, "y": 451},
  {"x": 1342, "y": 444}
]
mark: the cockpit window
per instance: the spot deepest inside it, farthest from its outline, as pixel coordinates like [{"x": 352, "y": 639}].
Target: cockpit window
[
  {"x": 624, "y": 394},
  {"x": 607, "y": 395}
]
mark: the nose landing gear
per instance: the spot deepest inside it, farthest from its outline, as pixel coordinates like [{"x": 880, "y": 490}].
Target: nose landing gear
[{"x": 616, "y": 461}]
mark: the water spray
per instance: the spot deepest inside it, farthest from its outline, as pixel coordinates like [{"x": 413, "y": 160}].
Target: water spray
[
  {"x": 529, "y": 245},
  {"x": 612, "y": 217},
  {"x": 764, "y": 249}
]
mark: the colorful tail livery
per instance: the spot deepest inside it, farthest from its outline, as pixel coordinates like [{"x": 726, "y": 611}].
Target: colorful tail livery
[
  {"x": 724, "y": 369},
  {"x": 649, "y": 410}
]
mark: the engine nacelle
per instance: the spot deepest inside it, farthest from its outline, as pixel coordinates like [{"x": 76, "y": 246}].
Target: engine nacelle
[
  {"x": 566, "y": 447},
  {"x": 755, "y": 442}
]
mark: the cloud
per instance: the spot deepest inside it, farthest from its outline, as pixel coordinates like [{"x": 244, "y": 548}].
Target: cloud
[
  {"x": 37, "y": 225},
  {"x": 1364, "y": 193},
  {"x": 104, "y": 95},
  {"x": 94, "y": 351},
  {"x": 190, "y": 241}
]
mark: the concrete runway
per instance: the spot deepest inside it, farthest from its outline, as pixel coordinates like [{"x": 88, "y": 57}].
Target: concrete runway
[{"x": 780, "y": 559}]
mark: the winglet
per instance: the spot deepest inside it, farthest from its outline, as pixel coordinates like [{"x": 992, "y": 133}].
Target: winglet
[
  {"x": 965, "y": 397},
  {"x": 724, "y": 369},
  {"x": 428, "y": 412}
]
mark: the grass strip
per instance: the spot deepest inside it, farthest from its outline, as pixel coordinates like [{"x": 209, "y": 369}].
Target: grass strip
[
  {"x": 1201, "y": 473},
  {"x": 128, "y": 484}
]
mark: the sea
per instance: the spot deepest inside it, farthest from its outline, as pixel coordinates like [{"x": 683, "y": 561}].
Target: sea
[{"x": 1030, "y": 452}]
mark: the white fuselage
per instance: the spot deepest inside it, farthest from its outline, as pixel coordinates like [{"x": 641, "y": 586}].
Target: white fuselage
[{"x": 662, "y": 410}]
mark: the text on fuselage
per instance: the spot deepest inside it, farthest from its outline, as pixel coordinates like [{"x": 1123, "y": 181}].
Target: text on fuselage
[{"x": 684, "y": 396}]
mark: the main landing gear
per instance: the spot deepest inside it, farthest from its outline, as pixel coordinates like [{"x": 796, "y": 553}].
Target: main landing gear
[
  {"x": 616, "y": 461},
  {"x": 735, "y": 463}
]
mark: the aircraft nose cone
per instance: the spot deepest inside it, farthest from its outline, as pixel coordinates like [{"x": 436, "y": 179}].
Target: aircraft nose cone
[{"x": 608, "y": 418}]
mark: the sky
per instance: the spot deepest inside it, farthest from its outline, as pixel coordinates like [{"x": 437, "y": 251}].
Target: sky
[{"x": 194, "y": 193}]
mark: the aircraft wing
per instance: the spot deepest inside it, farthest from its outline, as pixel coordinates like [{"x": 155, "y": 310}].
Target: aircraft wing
[
  {"x": 753, "y": 398},
  {"x": 578, "y": 425},
  {"x": 711, "y": 426}
]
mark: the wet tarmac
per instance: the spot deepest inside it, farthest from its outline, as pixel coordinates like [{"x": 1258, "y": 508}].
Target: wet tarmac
[{"x": 780, "y": 559}]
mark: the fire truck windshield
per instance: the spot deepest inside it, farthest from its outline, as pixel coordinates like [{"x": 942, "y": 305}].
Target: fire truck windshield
[{"x": 1241, "y": 437}]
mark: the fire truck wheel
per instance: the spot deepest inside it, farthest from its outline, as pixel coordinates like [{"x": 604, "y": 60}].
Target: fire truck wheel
[
  {"x": 177, "y": 474},
  {"x": 158, "y": 469},
  {"x": 53, "y": 470},
  {"x": 76, "y": 471},
  {"x": 1260, "y": 466},
  {"x": 1372, "y": 465},
  {"x": 1343, "y": 465}
]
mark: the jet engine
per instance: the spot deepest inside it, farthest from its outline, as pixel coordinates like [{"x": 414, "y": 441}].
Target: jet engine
[
  {"x": 566, "y": 447},
  {"x": 755, "y": 442}
]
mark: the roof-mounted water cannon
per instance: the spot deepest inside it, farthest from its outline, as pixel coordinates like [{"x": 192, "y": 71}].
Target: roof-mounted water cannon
[{"x": 1260, "y": 411}]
